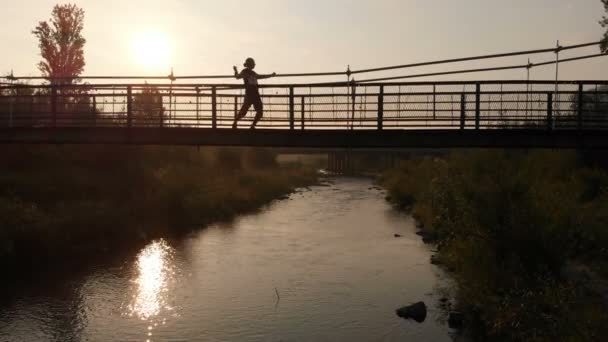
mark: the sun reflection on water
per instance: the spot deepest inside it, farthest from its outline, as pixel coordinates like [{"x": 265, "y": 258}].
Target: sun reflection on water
[{"x": 154, "y": 274}]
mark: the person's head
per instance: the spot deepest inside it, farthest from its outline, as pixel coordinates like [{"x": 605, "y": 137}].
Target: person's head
[{"x": 249, "y": 63}]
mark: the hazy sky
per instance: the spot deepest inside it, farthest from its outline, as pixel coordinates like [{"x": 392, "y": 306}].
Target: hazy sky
[{"x": 208, "y": 37}]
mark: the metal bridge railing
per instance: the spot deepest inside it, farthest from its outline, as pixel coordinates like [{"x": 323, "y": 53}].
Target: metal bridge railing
[{"x": 577, "y": 105}]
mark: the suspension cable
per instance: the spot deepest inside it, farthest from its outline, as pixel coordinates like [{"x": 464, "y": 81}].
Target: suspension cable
[
  {"x": 466, "y": 71},
  {"x": 474, "y": 58}
]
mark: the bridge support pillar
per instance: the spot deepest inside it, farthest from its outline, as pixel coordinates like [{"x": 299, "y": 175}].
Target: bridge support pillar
[
  {"x": 331, "y": 162},
  {"x": 340, "y": 163},
  {"x": 391, "y": 160},
  {"x": 338, "y": 169}
]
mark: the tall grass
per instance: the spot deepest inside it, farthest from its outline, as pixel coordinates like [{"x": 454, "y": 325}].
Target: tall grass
[
  {"x": 525, "y": 235},
  {"x": 65, "y": 201}
]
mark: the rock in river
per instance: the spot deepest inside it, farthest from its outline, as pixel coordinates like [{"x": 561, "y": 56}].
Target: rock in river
[
  {"x": 456, "y": 320},
  {"x": 427, "y": 237},
  {"x": 435, "y": 260},
  {"x": 416, "y": 312}
]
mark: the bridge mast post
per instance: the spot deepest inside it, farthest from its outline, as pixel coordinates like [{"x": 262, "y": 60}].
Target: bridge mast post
[
  {"x": 291, "y": 109},
  {"x": 214, "y": 107},
  {"x": 381, "y": 108},
  {"x": 477, "y": 103}
]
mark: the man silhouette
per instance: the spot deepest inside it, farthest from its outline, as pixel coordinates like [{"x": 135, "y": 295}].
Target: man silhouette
[{"x": 252, "y": 93}]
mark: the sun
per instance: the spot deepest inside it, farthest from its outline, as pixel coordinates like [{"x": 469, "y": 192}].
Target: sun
[{"x": 152, "y": 50}]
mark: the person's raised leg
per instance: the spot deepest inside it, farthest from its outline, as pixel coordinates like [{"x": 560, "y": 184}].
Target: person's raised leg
[
  {"x": 242, "y": 112},
  {"x": 259, "y": 112}
]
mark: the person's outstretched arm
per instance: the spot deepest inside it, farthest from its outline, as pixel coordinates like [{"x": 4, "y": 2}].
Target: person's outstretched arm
[
  {"x": 237, "y": 75},
  {"x": 261, "y": 77}
]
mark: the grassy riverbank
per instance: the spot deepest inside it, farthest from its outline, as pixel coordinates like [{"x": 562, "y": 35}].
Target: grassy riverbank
[
  {"x": 525, "y": 235},
  {"x": 70, "y": 201}
]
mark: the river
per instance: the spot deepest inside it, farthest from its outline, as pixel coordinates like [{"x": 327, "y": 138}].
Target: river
[{"x": 323, "y": 265}]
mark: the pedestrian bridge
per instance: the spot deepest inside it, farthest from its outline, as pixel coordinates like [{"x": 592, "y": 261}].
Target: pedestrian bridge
[{"x": 502, "y": 114}]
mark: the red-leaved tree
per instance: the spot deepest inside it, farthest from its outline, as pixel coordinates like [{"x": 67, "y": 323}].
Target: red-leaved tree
[
  {"x": 62, "y": 49},
  {"x": 61, "y": 42}
]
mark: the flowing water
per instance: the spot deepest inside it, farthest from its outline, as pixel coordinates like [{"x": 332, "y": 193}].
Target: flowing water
[{"x": 323, "y": 265}]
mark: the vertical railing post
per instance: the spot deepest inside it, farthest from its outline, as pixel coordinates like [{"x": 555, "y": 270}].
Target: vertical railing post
[
  {"x": 129, "y": 106},
  {"x": 549, "y": 111},
  {"x": 170, "y": 106},
  {"x": 11, "y": 105},
  {"x": 353, "y": 95},
  {"x": 291, "y": 109},
  {"x": 477, "y": 103},
  {"x": 581, "y": 104},
  {"x": 463, "y": 110},
  {"x": 302, "y": 114},
  {"x": 214, "y": 107},
  {"x": 236, "y": 107},
  {"x": 162, "y": 113},
  {"x": 198, "y": 93},
  {"x": 434, "y": 101},
  {"x": 94, "y": 111},
  {"x": 32, "y": 99},
  {"x": 381, "y": 108},
  {"x": 53, "y": 106}
]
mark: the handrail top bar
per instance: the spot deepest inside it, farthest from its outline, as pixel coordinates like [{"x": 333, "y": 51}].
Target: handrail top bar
[
  {"x": 224, "y": 86},
  {"x": 169, "y": 77}
]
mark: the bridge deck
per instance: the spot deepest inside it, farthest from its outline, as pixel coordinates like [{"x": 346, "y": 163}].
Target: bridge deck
[{"x": 371, "y": 139}]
